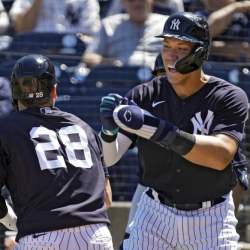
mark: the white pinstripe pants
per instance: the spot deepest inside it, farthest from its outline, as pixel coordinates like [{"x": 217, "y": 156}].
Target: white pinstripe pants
[
  {"x": 89, "y": 237},
  {"x": 159, "y": 227}
]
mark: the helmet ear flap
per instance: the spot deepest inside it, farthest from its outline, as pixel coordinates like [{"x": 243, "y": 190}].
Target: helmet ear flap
[
  {"x": 53, "y": 93},
  {"x": 191, "y": 62}
]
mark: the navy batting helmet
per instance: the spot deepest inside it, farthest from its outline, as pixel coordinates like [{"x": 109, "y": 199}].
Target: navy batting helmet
[
  {"x": 192, "y": 28},
  {"x": 33, "y": 78},
  {"x": 159, "y": 66}
]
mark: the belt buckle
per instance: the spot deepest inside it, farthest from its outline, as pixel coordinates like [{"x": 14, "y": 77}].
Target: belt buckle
[{"x": 206, "y": 204}]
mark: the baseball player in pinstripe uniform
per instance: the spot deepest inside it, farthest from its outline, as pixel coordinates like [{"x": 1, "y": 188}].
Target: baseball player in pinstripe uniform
[
  {"x": 240, "y": 166},
  {"x": 51, "y": 162},
  {"x": 188, "y": 127}
]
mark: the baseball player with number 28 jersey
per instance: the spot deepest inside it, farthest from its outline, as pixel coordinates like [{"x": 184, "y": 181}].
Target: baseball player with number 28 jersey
[
  {"x": 187, "y": 126},
  {"x": 51, "y": 162}
]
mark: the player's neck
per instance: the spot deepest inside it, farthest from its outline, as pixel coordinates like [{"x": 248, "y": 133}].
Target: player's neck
[
  {"x": 22, "y": 106},
  {"x": 191, "y": 85}
]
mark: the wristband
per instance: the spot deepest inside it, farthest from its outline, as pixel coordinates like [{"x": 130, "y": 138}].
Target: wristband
[
  {"x": 177, "y": 140},
  {"x": 108, "y": 137}
]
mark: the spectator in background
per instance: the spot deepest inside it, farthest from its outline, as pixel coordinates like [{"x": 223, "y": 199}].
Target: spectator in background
[
  {"x": 4, "y": 19},
  {"x": 229, "y": 24},
  {"x": 170, "y": 6},
  {"x": 56, "y": 16},
  {"x": 127, "y": 39}
]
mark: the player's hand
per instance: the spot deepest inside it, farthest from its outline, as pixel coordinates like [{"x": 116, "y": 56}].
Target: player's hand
[
  {"x": 107, "y": 106},
  {"x": 126, "y": 101}
]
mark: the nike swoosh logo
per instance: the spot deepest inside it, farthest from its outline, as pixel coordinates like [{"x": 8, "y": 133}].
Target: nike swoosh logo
[
  {"x": 38, "y": 235},
  {"x": 154, "y": 104}
]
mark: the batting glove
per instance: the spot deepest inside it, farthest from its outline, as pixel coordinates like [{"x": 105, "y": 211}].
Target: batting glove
[{"x": 107, "y": 106}]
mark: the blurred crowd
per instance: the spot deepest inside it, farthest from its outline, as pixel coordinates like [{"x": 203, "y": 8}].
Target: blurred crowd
[
  {"x": 102, "y": 32},
  {"x": 121, "y": 32}
]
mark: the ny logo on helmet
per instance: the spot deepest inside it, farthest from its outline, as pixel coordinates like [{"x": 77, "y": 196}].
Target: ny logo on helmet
[
  {"x": 175, "y": 24},
  {"x": 202, "y": 127}
]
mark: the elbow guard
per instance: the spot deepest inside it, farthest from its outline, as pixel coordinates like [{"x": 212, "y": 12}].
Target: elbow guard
[{"x": 133, "y": 119}]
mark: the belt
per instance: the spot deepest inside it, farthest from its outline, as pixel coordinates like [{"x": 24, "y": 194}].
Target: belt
[{"x": 187, "y": 206}]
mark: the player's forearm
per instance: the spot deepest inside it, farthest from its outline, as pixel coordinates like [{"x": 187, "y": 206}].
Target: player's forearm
[
  {"x": 219, "y": 20},
  {"x": 114, "y": 150},
  {"x": 215, "y": 152},
  {"x": 91, "y": 59},
  {"x": 109, "y": 153},
  {"x": 26, "y": 22}
]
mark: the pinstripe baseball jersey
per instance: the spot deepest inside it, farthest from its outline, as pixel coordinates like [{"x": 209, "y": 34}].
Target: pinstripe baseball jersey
[
  {"x": 217, "y": 107},
  {"x": 51, "y": 161}
]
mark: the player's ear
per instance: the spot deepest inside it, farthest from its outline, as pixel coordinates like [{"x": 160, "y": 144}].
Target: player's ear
[{"x": 53, "y": 92}]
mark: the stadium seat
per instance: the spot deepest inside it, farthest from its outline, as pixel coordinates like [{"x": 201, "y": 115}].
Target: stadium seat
[
  {"x": 81, "y": 94},
  {"x": 48, "y": 43},
  {"x": 112, "y": 78},
  {"x": 234, "y": 72},
  {"x": 228, "y": 71},
  {"x": 244, "y": 79}
]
